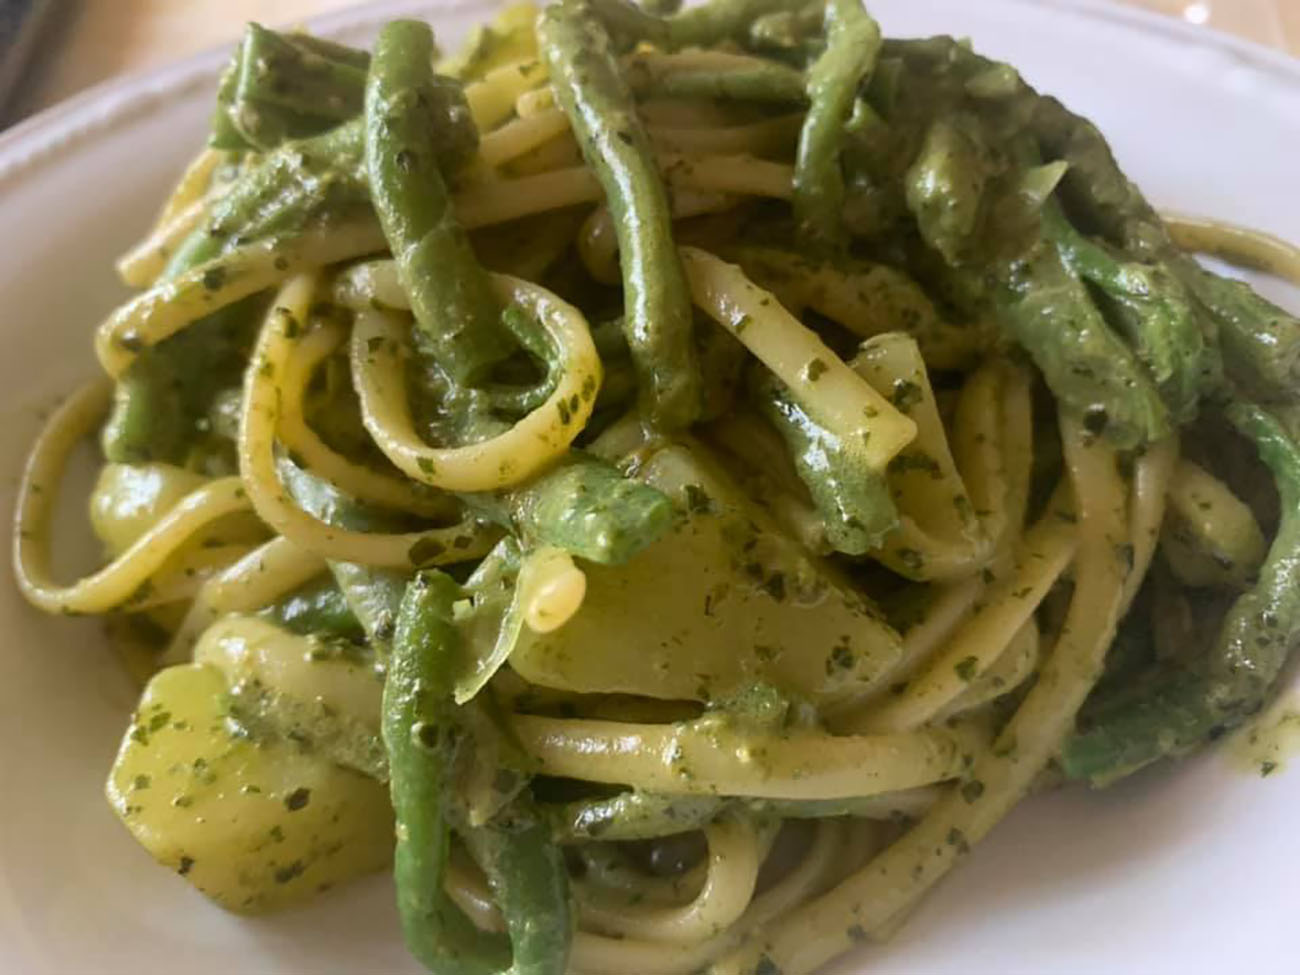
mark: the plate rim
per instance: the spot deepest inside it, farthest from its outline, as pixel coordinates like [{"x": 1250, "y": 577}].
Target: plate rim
[{"x": 61, "y": 128}]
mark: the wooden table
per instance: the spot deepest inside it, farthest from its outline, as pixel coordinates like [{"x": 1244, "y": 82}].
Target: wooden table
[{"x": 97, "y": 39}]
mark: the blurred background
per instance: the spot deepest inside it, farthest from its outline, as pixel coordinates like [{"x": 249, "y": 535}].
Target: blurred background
[{"x": 51, "y": 49}]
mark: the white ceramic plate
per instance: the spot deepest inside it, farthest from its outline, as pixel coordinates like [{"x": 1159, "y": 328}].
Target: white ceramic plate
[{"x": 1185, "y": 869}]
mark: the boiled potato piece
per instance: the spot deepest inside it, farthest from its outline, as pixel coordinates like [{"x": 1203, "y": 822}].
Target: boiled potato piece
[
  {"x": 720, "y": 603},
  {"x": 253, "y": 826},
  {"x": 129, "y": 498},
  {"x": 289, "y": 686}
]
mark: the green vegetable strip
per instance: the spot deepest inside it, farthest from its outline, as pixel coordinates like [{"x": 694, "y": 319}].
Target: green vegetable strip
[
  {"x": 649, "y": 815},
  {"x": 159, "y": 402},
  {"x": 1177, "y": 710},
  {"x": 946, "y": 184},
  {"x": 634, "y": 816},
  {"x": 586, "y": 507},
  {"x": 852, "y": 45},
  {"x": 373, "y": 595},
  {"x": 289, "y": 71},
  {"x": 774, "y": 83},
  {"x": 282, "y": 86},
  {"x": 1153, "y": 307},
  {"x": 422, "y": 735},
  {"x": 530, "y": 882},
  {"x": 852, "y": 499},
  {"x": 451, "y": 294},
  {"x": 628, "y": 24},
  {"x": 703, "y": 25},
  {"x": 788, "y": 30},
  {"x": 718, "y": 20},
  {"x": 302, "y": 181},
  {"x": 1260, "y": 342},
  {"x": 1089, "y": 369},
  {"x": 596, "y": 99},
  {"x": 317, "y": 608},
  {"x": 298, "y": 182}
]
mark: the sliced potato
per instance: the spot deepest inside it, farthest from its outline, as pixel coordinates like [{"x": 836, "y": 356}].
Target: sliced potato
[
  {"x": 129, "y": 498},
  {"x": 253, "y": 826},
  {"x": 725, "y": 600},
  {"x": 283, "y": 685}
]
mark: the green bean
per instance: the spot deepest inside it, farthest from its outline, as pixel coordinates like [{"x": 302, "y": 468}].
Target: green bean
[
  {"x": 585, "y": 506},
  {"x": 317, "y": 608},
  {"x": 852, "y": 45},
  {"x": 633, "y": 816},
  {"x": 451, "y": 294},
  {"x": 299, "y": 182},
  {"x": 422, "y": 736},
  {"x": 1094, "y": 185},
  {"x": 660, "y": 23},
  {"x": 773, "y": 83},
  {"x": 948, "y": 183},
  {"x": 1177, "y": 708},
  {"x": 1048, "y": 310},
  {"x": 304, "y": 179},
  {"x": 715, "y": 21},
  {"x": 1151, "y": 305},
  {"x": 853, "y": 500},
  {"x": 530, "y": 881},
  {"x": 786, "y": 30},
  {"x": 161, "y": 403},
  {"x": 596, "y": 99},
  {"x": 424, "y": 733},
  {"x": 650, "y": 815},
  {"x": 628, "y": 23},
  {"x": 1260, "y": 342},
  {"x": 283, "y": 86},
  {"x": 372, "y": 594}
]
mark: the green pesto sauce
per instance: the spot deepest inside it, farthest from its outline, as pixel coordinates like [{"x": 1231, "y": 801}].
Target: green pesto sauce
[{"x": 1265, "y": 746}]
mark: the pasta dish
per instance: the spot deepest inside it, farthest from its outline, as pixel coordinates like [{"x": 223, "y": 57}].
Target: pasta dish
[{"x": 666, "y": 481}]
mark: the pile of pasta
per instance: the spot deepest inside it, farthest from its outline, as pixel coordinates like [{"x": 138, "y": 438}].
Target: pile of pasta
[{"x": 686, "y": 475}]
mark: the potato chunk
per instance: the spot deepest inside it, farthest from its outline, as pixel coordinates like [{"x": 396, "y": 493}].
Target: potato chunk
[
  {"x": 724, "y": 601},
  {"x": 254, "y": 826}
]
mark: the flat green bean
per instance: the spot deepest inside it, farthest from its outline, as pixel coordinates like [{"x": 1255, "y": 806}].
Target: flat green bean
[
  {"x": 852, "y": 499},
  {"x": 1047, "y": 309},
  {"x": 286, "y": 86},
  {"x": 1153, "y": 308},
  {"x": 1176, "y": 707},
  {"x": 530, "y": 882},
  {"x": 593, "y": 94},
  {"x": 715, "y": 21},
  {"x": 423, "y": 738},
  {"x": 451, "y": 294},
  {"x": 584, "y": 506},
  {"x": 317, "y": 608},
  {"x": 771, "y": 83},
  {"x": 852, "y": 45}
]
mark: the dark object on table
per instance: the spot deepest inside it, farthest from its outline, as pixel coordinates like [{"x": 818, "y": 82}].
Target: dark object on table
[{"x": 21, "y": 22}]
